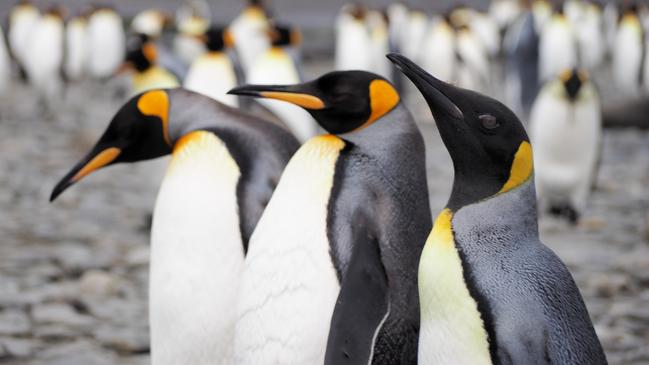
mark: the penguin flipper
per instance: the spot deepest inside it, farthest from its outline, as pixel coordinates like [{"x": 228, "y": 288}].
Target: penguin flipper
[{"x": 361, "y": 308}]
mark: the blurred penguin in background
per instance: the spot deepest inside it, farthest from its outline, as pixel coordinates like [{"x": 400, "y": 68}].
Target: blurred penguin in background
[
  {"x": 377, "y": 24},
  {"x": 482, "y": 25},
  {"x": 147, "y": 74},
  {"x": 22, "y": 18},
  {"x": 43, "y": 57},
  {"x": 472, "y": 60},
  {"x": 106, "y": 42},
  {"x": 542, "y": 10},
  {"x": 353, "y": 40},
  {"x": 415, "y": 32},
  {"x": 504, "y": 13},
  {"x": 590, "y": 36},
  {"x": 150, "y": 22},
  {"x": 5, "y": 64},
  {"x": 214, "y": 73},
  {"x": 397, "y": 19},
  {"x": 250, "y": 33},
  {"x": 76, "y": 51},
  {"x": 557, "y": 46},
  {"x": 279, "y": 65},
  {"x": 438, "y": 50},
  {"x": 521, "y": 49},
  {"x": 192, "y": 21},
  {"x": 628, "y": 52},
  {"x": 566, "y": 130}
]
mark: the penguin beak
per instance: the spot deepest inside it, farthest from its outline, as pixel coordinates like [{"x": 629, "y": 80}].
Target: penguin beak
[
  {"x": 434, "y": 90},
  {"x": 294, "y": 94},
  {"x": 100, "y": 156}
]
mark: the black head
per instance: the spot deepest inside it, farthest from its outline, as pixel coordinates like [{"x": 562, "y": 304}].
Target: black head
[
  {"x": 138, "y": 132},
  {"x": 282, "y": 36},
  {"x": 141, "y": 53},
  {"x": 217, "y": 38},
  {"x": 340, "y": 101},
  {"x": 489, "y": 147},
  {"x": 572, "y": 81}
]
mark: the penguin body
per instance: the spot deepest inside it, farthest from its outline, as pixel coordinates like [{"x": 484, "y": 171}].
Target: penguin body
[
  {"x": 76, "y": 48},
  {"x": 278, "y": 66},
  {"x": 590, "y": 36},
  {"x": 186, "y": 44},
  {"x": 557, "y": 47},
  {"x": 249, "y": 31},
  {"x": 416, "y": 31},
  {"x": 106, "y": 43},
  {"x": 44, "y": 54},
  {"x": 150, "y": 22},
  {"x": 566, "y": 145},
  {"x": 521, "y": 45},
  {"x": 490, "y": 291},
  {"x": 345, "y": 281},
  {"x": 213, "y": 73},
  {"x": 438, "y": 54},
  {"x": 504, "y": 12},
  {"x": 223, "y": 170},
  {"x": 22, "y": 19},
  {"x": 627, "y": 54},
  {"x": 472, "y": 61},
  {"x": 353, "y": 41},
  {"x": 380, "y": 38}
]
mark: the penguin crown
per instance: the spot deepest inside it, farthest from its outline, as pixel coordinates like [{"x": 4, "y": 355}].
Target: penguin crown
[{"x": 340, "y": 101}]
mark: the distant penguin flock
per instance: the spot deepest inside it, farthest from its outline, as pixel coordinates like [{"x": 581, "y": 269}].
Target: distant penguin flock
[{"x": 292, "y": 224}]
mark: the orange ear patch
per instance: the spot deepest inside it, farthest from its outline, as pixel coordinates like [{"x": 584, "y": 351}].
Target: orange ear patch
[
  {"x": 228, "y": 39},
  {"x": 522, "y": 167},
  {"x": 383, "y": 97},
  {"x": 156, "y": 104},
  {"x": 150, "y": 52},
  {"x": 304, "y": 100},
  {"x": 102, "y": 159}
]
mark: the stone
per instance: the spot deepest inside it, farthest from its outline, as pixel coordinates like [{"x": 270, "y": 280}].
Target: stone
[
  {"x": 18, "y": 347},
  {"x": 98, "y": 283},
  {"x": 60, "y": 313},
  {"x": 14, "y": 322},
  {"x": 124, "y": 340},
  {"x": 609, "y": 284},
  {"x": 80, "y": 352}
]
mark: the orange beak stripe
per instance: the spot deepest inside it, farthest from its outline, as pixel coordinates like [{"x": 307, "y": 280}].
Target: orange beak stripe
[
  {"x": 304, "y": 100},
  {"x": 102, "y": 159}
]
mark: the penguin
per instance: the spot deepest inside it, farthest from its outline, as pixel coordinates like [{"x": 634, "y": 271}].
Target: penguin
[
  {"x": 438, "y": 54},
  {"x": 5, "y": 64},
  {"x": 141, "y": 59},
  {"x": 150, "y": 22},
  {"x": 416, "y": 31},
  {"x": 490, "y": 291},
  {"x": 567, "y": 145},
  {"x": 354, "y": 48},
  {"x": 377, "y": 25},
  {"x": 224, "y": 167},
  {"x": 193, "y": 20},
  {"x": 557, "y": 47},
  {"x": 628, "y": 53},
  {"x": 106, "y": 42},
  {"x": 472, "y": 60},
  {"x": 76, "y": 47},
  {"x": 22, "y": 18},
  {"x": 590, "y": 37},
  {"x": 543, "y": 12},
  {"x": 43, "y": 57},
  {"x": 521, "y": 49},
  {"x": 331, "y": 268},
  {"x": 249, "y": 31},
  {"x": 279, "y": 65},
  {"x": 504, "y": 13},
  {"x": 214, "y": 73}
]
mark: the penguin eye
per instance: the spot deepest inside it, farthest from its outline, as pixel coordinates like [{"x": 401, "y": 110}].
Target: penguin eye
[{"x": 489, "y": 121}]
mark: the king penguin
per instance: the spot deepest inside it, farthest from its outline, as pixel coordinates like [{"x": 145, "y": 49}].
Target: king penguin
[
  {"x": 567, "y": 145},
  {"x": 76, "y": 44},
  {"x": 438, "y": 50},
  {"x": 628, "y": 53},
  {"x": 249, "y": 31},
  {"x": 224, "y": 168},
  {"x": 557, "y": 46},
  {"x": 354, "y": 48},
  {"x": 214, "y": 72},
  {"x": 22, "y": 18},
  {"x": 490, "y": 292},
  {"x": 332, "y": 262},
  {"x": 106, "y": 42},
  {"x": 141, "y": 58},
  {"x": 279, "y": 65},
  {"x": 5, "y": 64},
  {"x": 151, "y": 22},
  {"x": 192, "y": 21}
]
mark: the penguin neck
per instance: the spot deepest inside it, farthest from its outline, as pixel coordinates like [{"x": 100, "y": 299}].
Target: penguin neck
[{"x": 513, "y": 212}]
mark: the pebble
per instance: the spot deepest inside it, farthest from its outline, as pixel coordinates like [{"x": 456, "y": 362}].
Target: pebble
[
  {"x": 14, "y": 322},
  {"x": 98, "y": 283}
]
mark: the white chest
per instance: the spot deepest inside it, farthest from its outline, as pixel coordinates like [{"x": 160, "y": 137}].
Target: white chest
[
  {"x": 289, "y": 287},
  {"x": 213, "y": 75},
  {"x": 196, "y": 255}
]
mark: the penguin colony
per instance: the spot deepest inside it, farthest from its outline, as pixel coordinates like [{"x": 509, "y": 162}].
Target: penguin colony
[{"x": 292, "y": 225}]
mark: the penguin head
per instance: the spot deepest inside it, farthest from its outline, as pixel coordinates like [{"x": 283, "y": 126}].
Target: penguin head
[
  {"x": 340, "y": 101},
  {"x": 217, "y": 39},
  {"x": 141, "y": 53},
  {"x": 283, "y": 36},
  {"x": 138, "y": 131},
  {"x": 572, "y": 81},
  {"x": 489, "y": 147}
]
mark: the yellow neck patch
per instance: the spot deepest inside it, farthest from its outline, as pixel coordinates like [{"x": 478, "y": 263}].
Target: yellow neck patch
[
  {"x": 156, "y": 104},
  {"x": 383, "y": 97},
  {"x": 522, "y": 167},
  {"x": 102, "y": 159},
  {"x": 442, "y": 233}
]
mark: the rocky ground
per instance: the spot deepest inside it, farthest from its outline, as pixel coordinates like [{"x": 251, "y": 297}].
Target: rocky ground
[{"x": 73, "y": 274}]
